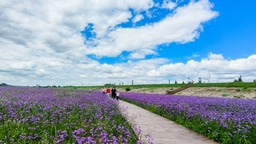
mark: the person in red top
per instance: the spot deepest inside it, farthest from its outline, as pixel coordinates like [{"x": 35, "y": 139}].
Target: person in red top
[{"x": 108, "y": 92}]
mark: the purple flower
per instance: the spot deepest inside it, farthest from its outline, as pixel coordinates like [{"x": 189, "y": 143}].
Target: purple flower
[
  {"x": 81, "y": 140},
  {"x": 62, "y": 115}
]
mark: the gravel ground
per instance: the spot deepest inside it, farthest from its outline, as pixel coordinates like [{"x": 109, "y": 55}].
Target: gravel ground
[{"x": 249, "y": 93}]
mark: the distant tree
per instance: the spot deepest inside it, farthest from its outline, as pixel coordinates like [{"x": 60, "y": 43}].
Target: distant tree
[
  {"x": 108, "y": 85},
  {"x": 176, "y": 82},
  {"x": 3, "y": 84},
  {"x": 240, "y": 79},
  {"x": 235, "y": 80},
  {"x": 183, "y": 82},
  {"x": 127, "y": 89},
  {"x": 254, "y": 80}
]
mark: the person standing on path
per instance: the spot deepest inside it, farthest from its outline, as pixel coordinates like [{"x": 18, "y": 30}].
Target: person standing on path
[
  {"x": 117, "y": 96},
  {"x": 112, "y": 96},
  {"x": 113, "y": 90},
  {"x": 108, "y": 92},
  {"x": 103, "y": 91}
]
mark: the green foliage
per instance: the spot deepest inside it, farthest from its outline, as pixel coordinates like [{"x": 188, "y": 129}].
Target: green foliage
[
  {"x": 127, "y": 89},
  {"x": 225, "y": 94},
  {"x": 108, "y": 85},
  {"x": 83, "y": 87},
  {"x": 246, "y": 89},
  {"x": 231, "y": 84},
  {"x": 240, "y": 79},
  {"x": 3, "y": 84}
]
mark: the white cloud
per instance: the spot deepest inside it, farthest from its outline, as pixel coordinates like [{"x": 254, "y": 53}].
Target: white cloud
[
  {"x": 40, "y": 43},
  {"x": 215, "y": 56},
  {"x": 169, "y": 4},
  {"x": 57, "y": 24},
  {"x": 181, "y": 27},
  {"x": 137, "y": 18},
  {"x": 215, "y": 65},
  {"x": 140, "y": 54},
  {"x": 161, "y": 70},
  {"x": 193, "y": 56}
]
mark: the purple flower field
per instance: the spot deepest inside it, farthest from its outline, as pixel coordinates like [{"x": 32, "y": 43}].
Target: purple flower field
[
  {"x": 225, "y": 120},
  {"x": 37, "y": 115}
]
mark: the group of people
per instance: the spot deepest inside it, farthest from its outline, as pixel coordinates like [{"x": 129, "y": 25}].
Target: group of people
[{"x": 111, "y": 93}]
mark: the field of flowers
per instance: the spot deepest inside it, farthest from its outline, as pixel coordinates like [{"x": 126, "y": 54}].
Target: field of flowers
[
  {"x": 37, "y": 115},
  {"x": 228, "y": 121}
]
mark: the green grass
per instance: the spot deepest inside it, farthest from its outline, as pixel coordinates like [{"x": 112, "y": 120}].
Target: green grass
[
  {"x": 244, "y": 85},
  {"x": 245, "y": 89},
  {"x": 83, "y": 87},
  {"x": 231, "y": 84},
  {"x": 149, "y": 86},
  {"x": 225, "y": 94}
]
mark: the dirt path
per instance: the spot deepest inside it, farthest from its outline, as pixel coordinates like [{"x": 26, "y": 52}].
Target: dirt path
[
  {"x": 222, "y": 92},
  {"x": 162, "y": 130}
]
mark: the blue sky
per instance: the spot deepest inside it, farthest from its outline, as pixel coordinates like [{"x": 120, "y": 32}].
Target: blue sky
[
  {"x": 232, "y": 34},
  {"x": 93, "y": 43}
]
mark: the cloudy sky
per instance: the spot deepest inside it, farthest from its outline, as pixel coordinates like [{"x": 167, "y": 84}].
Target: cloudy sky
[{"x": 94, "y": 42}]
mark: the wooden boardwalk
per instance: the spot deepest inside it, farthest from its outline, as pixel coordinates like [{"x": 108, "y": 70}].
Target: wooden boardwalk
[{"x": 162, "y": 130}]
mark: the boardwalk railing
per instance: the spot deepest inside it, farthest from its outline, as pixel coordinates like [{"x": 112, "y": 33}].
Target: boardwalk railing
[{"x": 179, "y": 89}]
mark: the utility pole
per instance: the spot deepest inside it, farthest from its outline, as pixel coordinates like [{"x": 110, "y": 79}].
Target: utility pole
[
  {"x": 209, "y": 77},
  {"x": 132, "y": 82}
]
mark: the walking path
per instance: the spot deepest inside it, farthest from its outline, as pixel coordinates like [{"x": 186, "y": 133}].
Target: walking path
[{"x": 161, "y": 129}]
